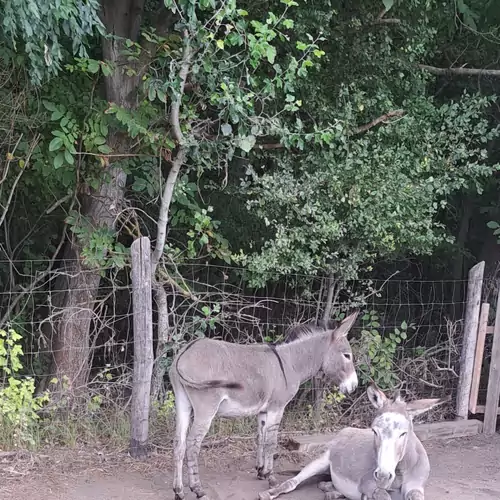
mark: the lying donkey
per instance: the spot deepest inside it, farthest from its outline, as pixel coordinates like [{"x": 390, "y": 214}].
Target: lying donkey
[
  {"x": 387, "y": 462},
  {"x": 211, "y": 377}
]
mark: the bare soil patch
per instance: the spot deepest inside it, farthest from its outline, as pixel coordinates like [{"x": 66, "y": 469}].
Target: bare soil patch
[{"x": 463, "y": 469}]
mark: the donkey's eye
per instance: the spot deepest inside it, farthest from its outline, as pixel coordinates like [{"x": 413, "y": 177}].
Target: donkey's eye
[{"x": 348, "y": 356}]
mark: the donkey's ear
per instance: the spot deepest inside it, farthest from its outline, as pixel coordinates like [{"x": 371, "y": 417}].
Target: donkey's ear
[
  {"x": 345, "y": 326},
  {"x": 377, "y": 398},
  {"x": 420, "y": 406},
  {"x": 396, "y": 396}
]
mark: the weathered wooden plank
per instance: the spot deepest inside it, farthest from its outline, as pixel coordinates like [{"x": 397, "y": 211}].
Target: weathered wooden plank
[
  {"x": 474, "y": 291},
  {"x": 493, "y": 394},
  {"x": 480, "y": 409},
  {"x": 436, "y": 430},
  {"x": 143, "y": 345},
  {"x": 478, "y": 361}
]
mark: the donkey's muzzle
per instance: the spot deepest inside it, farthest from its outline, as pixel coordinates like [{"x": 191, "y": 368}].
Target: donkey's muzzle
[
  {"x": 383, "y": 479},
  {"x": 349, "y": 384}
]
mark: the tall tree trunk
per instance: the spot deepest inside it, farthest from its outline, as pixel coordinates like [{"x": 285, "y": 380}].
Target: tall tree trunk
[{"x": 78, "y": 286}]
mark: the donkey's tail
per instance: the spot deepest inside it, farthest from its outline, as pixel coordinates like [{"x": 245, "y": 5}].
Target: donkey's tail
[{"x": 209, "y": 384}]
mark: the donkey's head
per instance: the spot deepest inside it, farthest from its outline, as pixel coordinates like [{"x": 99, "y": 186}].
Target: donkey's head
[
  {"x": 392, "y": 427},
  {"x": 338, "y": 362}
]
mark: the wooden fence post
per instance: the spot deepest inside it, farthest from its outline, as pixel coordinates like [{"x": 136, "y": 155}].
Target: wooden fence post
[
  {"x": 473, "y": 307},
  {"x": 493, "y": 394},
  {"x": 478, "y": 360},
  {"x": 143, "y": 346}
]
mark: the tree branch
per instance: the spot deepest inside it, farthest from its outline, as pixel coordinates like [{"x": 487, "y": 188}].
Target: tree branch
[
  {"x": 269, "y": 146},
  {"x": 388, "y": 20},
  {"x": 179, "y": 159},
  {"x": 18, "y": 178},
  {"x": 378, "y": 121},
  {"x": 358, "y": 130},
  {"x": 460, "y": 71},
  {"x": 176, "y": 106}
]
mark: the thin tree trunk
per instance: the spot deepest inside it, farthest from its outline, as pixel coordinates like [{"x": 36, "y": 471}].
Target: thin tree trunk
[{"x": 163, "y": 219}]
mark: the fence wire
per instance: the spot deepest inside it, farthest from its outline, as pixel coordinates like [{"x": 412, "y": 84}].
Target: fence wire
[{"x": 214, "y": 301}]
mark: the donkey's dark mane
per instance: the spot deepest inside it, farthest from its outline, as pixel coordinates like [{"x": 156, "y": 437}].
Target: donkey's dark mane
[{"x": 304, "y": 330}]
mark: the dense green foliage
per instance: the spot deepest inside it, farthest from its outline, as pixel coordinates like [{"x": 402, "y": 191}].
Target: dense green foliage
[
  {"x": 344, "y": 191},
  {"x": 295, "y": 138}
]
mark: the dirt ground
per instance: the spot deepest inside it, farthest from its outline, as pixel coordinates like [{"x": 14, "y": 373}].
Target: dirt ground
[{"x": 461, "y": 469}]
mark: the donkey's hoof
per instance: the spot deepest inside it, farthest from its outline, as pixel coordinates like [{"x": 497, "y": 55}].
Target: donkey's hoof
[
  {"x": 265, "y": 495},
  {"x": 326, "y": 486},
  {"x": 333, "y": 495},
  {"x": 178, "y": 495}
]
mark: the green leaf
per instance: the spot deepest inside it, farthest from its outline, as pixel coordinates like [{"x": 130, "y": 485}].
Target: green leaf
[
  {"x": 49, "y": 106},
  {"x": 388, "y": 4},
  {"x": 247, "y": 143},
  {"x": 56, "y": 115},
  {"x": 93, "y": 66},
  {"x": 99, "y": 140},
  {"x": 106, "y": 69},
  {"x": 404, "y": 325},
  {"x": 220, "y": 44},
  {"x": 226, "y": 129},
  {"x": 271, "y": 54},
  {"x": 301, "y": 46},
  {"x": 151, "y": 93},
  {"x": 493, "y": 224},
  {"x": 103, "y": 128},
  {"x": 162, "y": 96},
  {"x": 288, "y": 23},
  {"x": 55, "y": 144},
  {"x": 104, "y": 149},
  {"x": 139, "y": 184},
  {"x": 59, "y": 160},
  {"x": 69, "y": 157}
]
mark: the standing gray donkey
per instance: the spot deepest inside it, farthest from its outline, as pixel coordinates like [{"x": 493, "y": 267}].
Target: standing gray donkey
[
  {"x": 386, "y": 462},
  {"x": 212, "y": 377}
]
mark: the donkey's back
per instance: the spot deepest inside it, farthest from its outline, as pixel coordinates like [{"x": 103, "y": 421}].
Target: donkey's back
[{"x": 216, "y": 364}]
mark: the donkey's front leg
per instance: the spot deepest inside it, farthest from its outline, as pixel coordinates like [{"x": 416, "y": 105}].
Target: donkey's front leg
[
  {"x": 270, "y": 444},
  {"x": 369, "y": 490},
  {"x": 198, "y": 431},
  {"x": 318, "y": 466}
]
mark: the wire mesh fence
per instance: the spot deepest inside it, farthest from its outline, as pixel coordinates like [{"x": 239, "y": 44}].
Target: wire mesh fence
[{"x": 408, "y": 334}]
